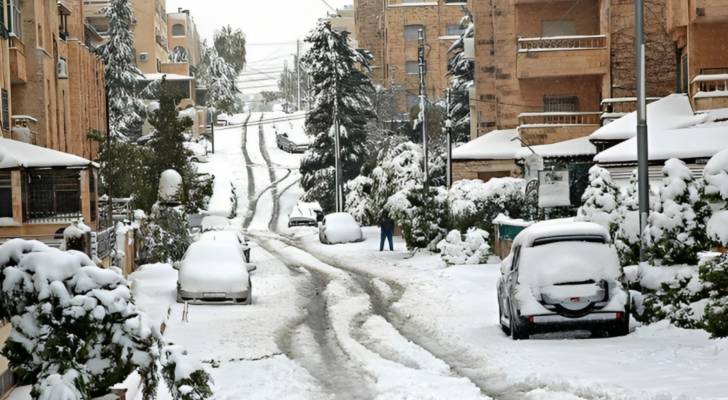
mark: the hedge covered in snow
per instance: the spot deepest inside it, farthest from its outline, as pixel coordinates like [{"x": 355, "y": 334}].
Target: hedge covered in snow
[{"x": 75, "y": 328}]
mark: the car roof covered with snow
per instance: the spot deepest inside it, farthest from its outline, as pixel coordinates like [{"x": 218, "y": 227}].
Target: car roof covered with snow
[
  {"x": 302, "y": 212},
  {"x": 559, "y": 229},
  {"x": 340, "y": 217}
]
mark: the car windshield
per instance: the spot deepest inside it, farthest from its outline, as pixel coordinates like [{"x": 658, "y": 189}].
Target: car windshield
[{"x": 570, "y": 261}]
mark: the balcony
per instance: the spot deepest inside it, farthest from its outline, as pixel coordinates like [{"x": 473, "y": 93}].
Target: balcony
[
  {"x": 709, "y": 11},
  {"x": 18, "y": 73},
  {"x": 551, "y": 127},
  {"x": 710, "y": 91},
  {"x": 562, "y": 56},
  {"x": 617, "y": 107}
]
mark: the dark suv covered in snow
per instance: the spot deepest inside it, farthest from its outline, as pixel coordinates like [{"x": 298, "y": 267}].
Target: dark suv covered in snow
[{"x": 562, "y": 275}]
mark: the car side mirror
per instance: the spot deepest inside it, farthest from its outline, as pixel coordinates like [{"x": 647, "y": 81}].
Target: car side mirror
[{"x": 251, "y": 267}]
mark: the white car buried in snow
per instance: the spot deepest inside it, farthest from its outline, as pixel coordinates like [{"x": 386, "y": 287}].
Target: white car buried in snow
[
  {"x": 562, "y": 275},
  {"x": 340, "y": 228},
  {"x": 214, "y": 271}
]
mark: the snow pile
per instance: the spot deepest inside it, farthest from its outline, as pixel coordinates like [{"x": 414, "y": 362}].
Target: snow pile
[
  {"x": 474, "y": 249},
  {"x": 495, "y": 145},
  {"x": 170, "y": 186},
  {"x": 563, "y": 262},
  {"x": 600, "y": 199},
  {"x": 341, "y": 228},
  {"x": 75, "y": 329}
]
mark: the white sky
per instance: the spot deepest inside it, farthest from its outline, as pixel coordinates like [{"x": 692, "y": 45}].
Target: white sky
[{"x": 271, "y": 27}]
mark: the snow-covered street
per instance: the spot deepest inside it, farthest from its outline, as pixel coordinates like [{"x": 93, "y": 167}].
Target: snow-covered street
[{"x": 345, "y": 321}]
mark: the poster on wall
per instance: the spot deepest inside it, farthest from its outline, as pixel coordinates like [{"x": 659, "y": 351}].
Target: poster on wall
[{"x": 553, "y": 189}]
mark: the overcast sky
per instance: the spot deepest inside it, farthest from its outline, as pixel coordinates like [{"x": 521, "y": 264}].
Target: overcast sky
[{"x": 271, "y": 26}]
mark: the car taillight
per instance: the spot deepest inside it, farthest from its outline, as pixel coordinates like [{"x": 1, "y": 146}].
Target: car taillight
[
  {"x": 620, "y": 315},
  {"x": 531, "y": 318}
]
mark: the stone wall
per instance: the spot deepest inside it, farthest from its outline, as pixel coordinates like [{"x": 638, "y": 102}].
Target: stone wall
[{"x": 484, "y": 169}]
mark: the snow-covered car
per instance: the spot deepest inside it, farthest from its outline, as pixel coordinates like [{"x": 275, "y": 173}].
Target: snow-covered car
[
  {"x": 231, "y": 237},
  {"x": 340, "y": 228},
  {"x": 315, "y": 207},
  {"x": 302, "y": 215},
  {"x": 214, "y": 271},
  {"x": 198, "y": 152},
  {"x": 286, "y": 143},
  {"x": 562, "y": 275}
]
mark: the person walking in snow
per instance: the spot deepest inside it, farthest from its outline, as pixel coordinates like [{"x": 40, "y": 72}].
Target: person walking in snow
[{"x": 386, "y": 226}]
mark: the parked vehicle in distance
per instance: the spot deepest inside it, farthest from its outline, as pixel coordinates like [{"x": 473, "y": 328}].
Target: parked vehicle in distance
[
  {"x": 287, "y": 144},
  {"x": 214, "y": 271},
  {"x": 302, "y": 215},
  {"x": 340, "y": 228},
  {"x": 198, "y": 152},
  {"x": 563, "y": 275},
  {"x": 315, "y": 207}
]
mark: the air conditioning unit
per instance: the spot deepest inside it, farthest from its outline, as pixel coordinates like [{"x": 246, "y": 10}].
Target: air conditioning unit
[
  {"x": 143, "y": 57},
  {"x": 62, "y": 69},
  {"x": 469, "y": 49}
]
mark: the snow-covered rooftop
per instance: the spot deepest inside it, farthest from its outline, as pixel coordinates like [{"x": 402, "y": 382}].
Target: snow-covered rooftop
[
  {"x": 495, "y": 145},
  {"x": 699, "y": 141},
  {"x": 568, "y": 148},
  {"x": 170, "y": 77},
  {"x": 671, "y": 112},
  {"x": 15, "y": 154}
]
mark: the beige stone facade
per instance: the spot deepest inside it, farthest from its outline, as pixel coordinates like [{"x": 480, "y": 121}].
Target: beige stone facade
[
  {"x": 388, "y": 28},
  {"x": 182, "y": 34},
  {"x": 695, "y": 26},
  {"x": 344, "y": 20}
]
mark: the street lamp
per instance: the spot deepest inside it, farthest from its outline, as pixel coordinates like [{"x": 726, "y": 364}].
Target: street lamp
[{"x": 643, "y": 173}]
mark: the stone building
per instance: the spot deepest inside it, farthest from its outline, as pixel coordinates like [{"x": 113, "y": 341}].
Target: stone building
[
  {"x": 554, "y": 70},
  {"x": 344, "y": 20},
  {"x": 183, "y": 37},
  {"x": 389, "y": 28}
]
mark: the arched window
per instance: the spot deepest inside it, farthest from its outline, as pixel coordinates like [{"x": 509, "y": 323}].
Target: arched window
[
  {"x": 178, "y": 30},
  {"x": 179, "y": 55}
]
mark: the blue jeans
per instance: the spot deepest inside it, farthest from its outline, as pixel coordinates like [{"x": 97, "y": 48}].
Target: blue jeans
[{"x": 386, "y": 234}]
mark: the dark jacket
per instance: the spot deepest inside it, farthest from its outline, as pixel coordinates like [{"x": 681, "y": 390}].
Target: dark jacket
[{"x": 386, "y": 224}]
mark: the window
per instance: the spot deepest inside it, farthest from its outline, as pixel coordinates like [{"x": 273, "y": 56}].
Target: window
[
  {"x": 560, "y": 103},
  {"x": 6, "y": 195},
  {"x": 454, "y": 29},
  {"x": 53, "y": 194},
  {"x": 558, "y": 28},
  {"x": 178, "y": 30},
  {"x": 5, "y": 109},
  {"x": 15, "y": 21},
  {"x": 412, "y": 68},
  {"x": 411, "y": 32}
]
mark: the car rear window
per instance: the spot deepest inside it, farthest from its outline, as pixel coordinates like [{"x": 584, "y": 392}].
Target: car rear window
[{"x": 568, "y": 261}]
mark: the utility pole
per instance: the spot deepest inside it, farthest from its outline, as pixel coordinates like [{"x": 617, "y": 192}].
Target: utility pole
[
  {"x": 448, "y": 131},
  {"x": 285, "y": 85},
  {"x": 642, "y": 149},
  {"x": 337, "y": 156},
  {"x": 423, "y": 103},
  {"x": 298, "y": 74}
]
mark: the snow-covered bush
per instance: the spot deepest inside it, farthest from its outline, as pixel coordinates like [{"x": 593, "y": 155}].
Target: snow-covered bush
[
  {"x": 625, "y": 228},
  {"x": 75, "y": 328},
  {"x": 679, "y": 300},
  {"x": 359, "y": 200},
  {"x": 474, "y": 203},
  {"x": 676, "y": 229},
  {"x": 473, "y": 250},
  {"x": 185, "y": 377},
  {"x": 421, "y": 215},
  {"x": 600, "y": 199},
  {"x": 714, "y": 276},
  {"x": 716, "y": 176},
  {"x": 165, "y": 234}
]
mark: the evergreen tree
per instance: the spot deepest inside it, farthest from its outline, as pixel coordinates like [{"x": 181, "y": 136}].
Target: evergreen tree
[
  {"x": 462, "y": 73},
  {"x": 600, "y": 199},
  {"x": 219, "y": 78},
  {"x": 126, "y": 110},
  {"x": 676, "y": 230},
  {"x": 626, "y": 227},
  {"x": 230, "y": 45},
  {"x": 338, "y": 77},
  {"x": 714, "y": 275}
]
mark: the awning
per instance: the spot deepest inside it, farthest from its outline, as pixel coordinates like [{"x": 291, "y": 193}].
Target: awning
[
  {"x": 15, "y": 154},
  {"x": 495, "y": 145}
]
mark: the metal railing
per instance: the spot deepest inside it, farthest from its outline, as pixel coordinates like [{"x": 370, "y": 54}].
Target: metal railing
[
  {"x": 103, "y": 243},
  {"x": 556, "y": 43},
  {"x": 559, "y": 118},
  {"x": 710, "y": 85}
]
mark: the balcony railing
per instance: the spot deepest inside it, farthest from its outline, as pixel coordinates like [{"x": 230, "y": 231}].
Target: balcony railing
[
  {"x": 559, "y": 43},
  {"x": 617, "y": 107},
  {"x": 537, "y": 119},
  {"x": 710, "y": 91}
]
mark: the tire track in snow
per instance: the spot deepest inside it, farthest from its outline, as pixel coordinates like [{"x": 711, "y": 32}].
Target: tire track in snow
[{"x": 249, "y": 169}]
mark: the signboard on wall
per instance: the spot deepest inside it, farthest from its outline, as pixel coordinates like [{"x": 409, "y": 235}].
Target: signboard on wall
[{"x": 553, "y": 189}]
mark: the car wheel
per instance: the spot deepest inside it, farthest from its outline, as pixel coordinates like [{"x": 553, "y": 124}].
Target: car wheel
[
  {"x": 503, "y": 326},
  {"x": 622, "y": 327},
  {"x": 518, "y": 332},
  {"x": 249, "y": 300},
  {"x": 194, "y": 159}
]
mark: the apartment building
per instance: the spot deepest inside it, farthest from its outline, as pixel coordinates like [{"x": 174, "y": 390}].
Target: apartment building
[
  {"x": 389, "y": 29},
  {"x": 695, "y": 26},
  {"x": 150, "y": 30},
  {"x": 557, "y": 70},
  {"x": 183, "y": 38}
]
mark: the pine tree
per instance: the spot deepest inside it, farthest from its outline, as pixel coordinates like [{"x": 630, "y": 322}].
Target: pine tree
[
  {"x": 126, "y": 109},
  {"x": 714, "y": 275},
  {"x": 462, "y": 73},
  {"x": 338, "y": 77},
  {"x": 626, "y": 227},
  {"x": 600, "y": 199},
  {"x": 219, "y": 78},
  {"x": 676, "y": 230},
  {"x": 230, "y": 45}
]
